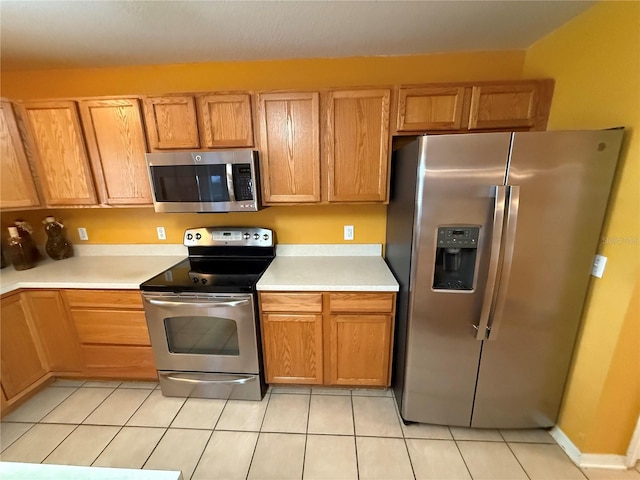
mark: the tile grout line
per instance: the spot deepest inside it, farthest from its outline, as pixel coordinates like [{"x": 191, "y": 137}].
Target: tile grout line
[
  {"x": 195, "y": 468},
  {"x": 455, "y": 442},
  {"x": 306, "y": 436},
  {"x": 19, "y": 436},
  {"x": 255, "y": 447},
  {"x": 41, "y": 418},
  {"x": 517, "y": 459},
  {"x": 404, "y": 437},
  {"x": 355, "y": 442}
]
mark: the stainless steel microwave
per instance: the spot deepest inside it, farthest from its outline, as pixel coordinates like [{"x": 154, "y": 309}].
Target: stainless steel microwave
[{"x": 213, "y": 181}]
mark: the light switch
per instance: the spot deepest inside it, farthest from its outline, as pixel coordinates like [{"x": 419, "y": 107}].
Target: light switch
[{"x": 599, "y": 262}]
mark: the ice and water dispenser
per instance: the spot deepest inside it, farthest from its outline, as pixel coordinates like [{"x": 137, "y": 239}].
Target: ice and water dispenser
[{"x": 455, "y": 257}]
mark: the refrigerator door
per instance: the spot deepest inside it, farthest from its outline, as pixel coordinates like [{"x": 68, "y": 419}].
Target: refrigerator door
[
  {"x": 564, "y": 179},
  {"x": 458, "y": 179}
]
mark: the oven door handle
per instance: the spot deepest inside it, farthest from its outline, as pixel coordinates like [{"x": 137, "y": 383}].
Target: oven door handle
[
  {"x": 207, "y": 304},
  {"x": 185, "y": 377}
]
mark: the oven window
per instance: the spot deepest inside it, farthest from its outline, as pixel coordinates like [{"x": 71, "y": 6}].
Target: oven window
[
  {"x": 202, "y": 335},
  {"x": 190, "y": 183}
]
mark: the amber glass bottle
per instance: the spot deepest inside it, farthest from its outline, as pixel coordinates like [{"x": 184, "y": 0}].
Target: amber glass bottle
[{"x": 19, "y": 251}]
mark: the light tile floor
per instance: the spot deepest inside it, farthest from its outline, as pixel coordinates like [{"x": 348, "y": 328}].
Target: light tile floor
[{"x": 293, "y": 433}]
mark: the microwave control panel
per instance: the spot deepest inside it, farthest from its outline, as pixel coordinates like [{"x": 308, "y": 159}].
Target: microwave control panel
[{"x": 242, "y": 183}]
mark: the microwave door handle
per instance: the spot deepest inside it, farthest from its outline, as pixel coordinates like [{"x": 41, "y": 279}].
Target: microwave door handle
[
  {"x": 480, "y": 330},
  {"x": 510, "y": 238},
  {"x": 229, "y": 171},
  {"x": 207, "y": 304}
]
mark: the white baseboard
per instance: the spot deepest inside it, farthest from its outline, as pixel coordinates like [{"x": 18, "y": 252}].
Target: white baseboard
[{"x": 588, "y": 460}]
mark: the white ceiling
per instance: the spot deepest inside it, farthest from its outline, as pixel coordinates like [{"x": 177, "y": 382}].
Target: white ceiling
[{"x": 76, "y": 34}]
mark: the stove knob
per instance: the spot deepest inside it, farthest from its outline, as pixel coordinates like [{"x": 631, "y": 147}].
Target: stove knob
[
  {"x": 256, "y": 236},
  {"x": 195, "y": 279},
  {"x": 189, "y": 236},
  {"x": 203, "y": 281},
  {"x": 266, "y": 236},
  {"x": 247, "y": 236},
  {"x": 198, "y": 236}
]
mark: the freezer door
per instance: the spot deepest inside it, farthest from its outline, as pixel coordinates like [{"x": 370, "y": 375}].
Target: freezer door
[
  {"x": 457, "y": 184},
  {"x": 564, "y": 179}
]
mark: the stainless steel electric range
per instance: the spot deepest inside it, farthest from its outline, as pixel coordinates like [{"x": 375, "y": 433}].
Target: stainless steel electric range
[{"x": 202, "y": 315}]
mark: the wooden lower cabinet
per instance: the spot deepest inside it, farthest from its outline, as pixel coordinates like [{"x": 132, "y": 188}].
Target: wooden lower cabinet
[
  {"x": 54, "y": 327},
  {"x": 112, "y": 332},
  {"x": 359, "y": 350},
  {"x": 293, "y": 348},
  {"x": 327, "y": 338},
  {"x": 23, "y": 361}
]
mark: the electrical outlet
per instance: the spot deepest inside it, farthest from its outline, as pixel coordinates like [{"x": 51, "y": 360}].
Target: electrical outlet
[
  {"x": 161, "y": 233},
  {"x": 82, "y": 233},
  {"x": 599, "y": 262},
  {"x": 348, "y": 232}
]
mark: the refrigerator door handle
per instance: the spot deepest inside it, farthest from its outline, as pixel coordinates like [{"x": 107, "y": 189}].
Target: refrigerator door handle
[
  {"x": 510, "y": 238},
  {"x": 480, "y": 330}
]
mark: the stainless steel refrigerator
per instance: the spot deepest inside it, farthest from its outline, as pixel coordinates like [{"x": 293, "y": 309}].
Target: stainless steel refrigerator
[{"x": 492, "y": 238}]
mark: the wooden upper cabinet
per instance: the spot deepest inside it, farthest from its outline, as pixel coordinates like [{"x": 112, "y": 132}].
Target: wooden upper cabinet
[
  {"x": 462, "y": 107},
  {"x": 117, "y": 147},
  {"x": 356, "y": 140},
  {"x": 171, "y": 123},
  {"x": 225, "y": 120},
  {"x": 59, "y": 153},
  {"x": 511, "y": 105},
  {"x": 23, "y": 361},
  {"x": 430, "y": 108},
  {"x": 289, "y": 147},
  {"x": 17, "y": 189}
]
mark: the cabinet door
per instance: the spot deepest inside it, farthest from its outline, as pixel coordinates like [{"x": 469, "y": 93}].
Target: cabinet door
[
  {"x": 430, "y": 108},
  {"x": 359, "y": 350},
  {"x": 225, "y": 120},
  {"x": 17, "y": 189},
  {"x": 357, "y": 145},
  {"x": 117, "y": 147},
  {"x": 56, "y": 332},
  {"x": 22, "y": 361},
  {"x": 171, "y": 123},
  {"x": 290, "y": 147},
  {"x": 292, "y": 348},
  {"x": 59, "y": 152},
  {"x": 504, "y": 106}
]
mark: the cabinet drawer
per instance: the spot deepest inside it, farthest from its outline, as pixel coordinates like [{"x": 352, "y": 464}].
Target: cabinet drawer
[
  {"x": 119, "y": 362},
  {"x": 291, "y": 302},
  {"x": 361, "y": 302},
  {"x": 112, "y": 328},
  {"x": 104, "y": 298}
]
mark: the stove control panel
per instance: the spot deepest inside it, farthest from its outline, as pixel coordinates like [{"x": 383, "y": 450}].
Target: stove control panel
[{"x": 229, "y": 236}]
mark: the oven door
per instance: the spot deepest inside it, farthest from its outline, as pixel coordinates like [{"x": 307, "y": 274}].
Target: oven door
[{"x": 202, "y": 332}]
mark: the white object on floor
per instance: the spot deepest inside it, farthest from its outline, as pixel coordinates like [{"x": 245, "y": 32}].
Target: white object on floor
[{"x": 20, "y": 471}]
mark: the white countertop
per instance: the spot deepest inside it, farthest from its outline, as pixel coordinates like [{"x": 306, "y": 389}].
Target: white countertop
[
  {"x": 22, "y": 471},
  {"x": 99, "y": 268},
  {"x": 323, "y": 268},
  {"x": 296, "y": 267}
]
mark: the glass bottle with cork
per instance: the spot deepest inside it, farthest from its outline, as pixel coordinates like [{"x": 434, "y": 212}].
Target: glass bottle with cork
[
  {"x": 21, "y": 257},
  {"x": 57, "y": 246}
]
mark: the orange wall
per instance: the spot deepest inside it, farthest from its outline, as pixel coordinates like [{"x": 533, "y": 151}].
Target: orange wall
[
  {"x": 280, "y": 74},
  {"x": 305, "y": 224},
  {"x": 595, "y": 61}
]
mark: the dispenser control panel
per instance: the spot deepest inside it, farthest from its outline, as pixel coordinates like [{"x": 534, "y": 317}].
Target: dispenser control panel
[{"x": 458, "y": 237}]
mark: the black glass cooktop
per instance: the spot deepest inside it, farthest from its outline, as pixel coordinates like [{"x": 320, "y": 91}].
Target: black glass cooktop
[{"x": 224, "y": 275}]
